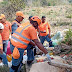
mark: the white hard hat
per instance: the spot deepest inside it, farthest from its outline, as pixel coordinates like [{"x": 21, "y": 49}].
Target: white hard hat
[{"x": 1, "y": 26}]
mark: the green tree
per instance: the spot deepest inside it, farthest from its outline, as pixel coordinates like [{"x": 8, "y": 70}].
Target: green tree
[{"x": 9, "y": 7}]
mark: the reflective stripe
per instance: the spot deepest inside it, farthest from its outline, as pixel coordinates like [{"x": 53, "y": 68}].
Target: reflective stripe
[
  {"x": 22, "y": 36},
  {"x": 19, "y": 40},
  {"x": 24, "y": 28}
]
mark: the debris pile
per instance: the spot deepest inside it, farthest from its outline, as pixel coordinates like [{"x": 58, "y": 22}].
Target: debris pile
[{"x": 64, "y": 51}]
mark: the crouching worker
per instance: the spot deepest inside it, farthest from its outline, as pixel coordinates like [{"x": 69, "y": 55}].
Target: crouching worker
[
  {"x": 2, "y": 54},
  {"x": 20, "y": 40}
]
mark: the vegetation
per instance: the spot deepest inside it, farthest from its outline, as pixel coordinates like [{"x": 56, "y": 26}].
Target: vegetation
[
  {"x": 64, "y": 23},
  {"x": 68, "y": 37},
  {"x": 4, "y": 69},
  {"x": 9, "y": 7}
]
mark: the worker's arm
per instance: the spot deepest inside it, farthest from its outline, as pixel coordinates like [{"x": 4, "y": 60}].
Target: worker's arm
[
  {"x": 49, "y": 33},
  {"x": 33, "y": 34},
  {"x": 38, "y": 32},
  {"x": 31, "y": 42},
  {"x": 40, "y": 46},
  {"x": 49, "y": 30}
]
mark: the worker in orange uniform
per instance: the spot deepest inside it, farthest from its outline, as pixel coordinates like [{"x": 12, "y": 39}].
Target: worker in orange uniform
[
  {"x": 44, "y": 32},
  {"x": 2, "y": 54},
  {"x": 6, "y": 31},
  {"x": 16, "y": 23},
  {"x": 20, "y": 40}
]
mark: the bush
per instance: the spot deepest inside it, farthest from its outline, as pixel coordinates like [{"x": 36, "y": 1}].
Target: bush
[
  {"x": 9, "y": 8},
  {"x": 69, "y": 16},
  {"x": 4, "y": 3},
  {"x": 68, "y": 37},
  {"x": 49, "y": 4}
]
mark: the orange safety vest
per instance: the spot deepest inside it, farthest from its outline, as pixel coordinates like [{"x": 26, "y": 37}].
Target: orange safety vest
[
  {"x": 19, "y": 38},
  {"x": 43, "y": 28},
  {"x": 1, "y": 45}
]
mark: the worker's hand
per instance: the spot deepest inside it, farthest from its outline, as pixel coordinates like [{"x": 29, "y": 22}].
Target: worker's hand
[{"x": 49, "y": 59}]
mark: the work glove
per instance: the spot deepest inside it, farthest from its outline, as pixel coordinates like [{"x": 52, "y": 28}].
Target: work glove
[{"x": 48, "y": 57}]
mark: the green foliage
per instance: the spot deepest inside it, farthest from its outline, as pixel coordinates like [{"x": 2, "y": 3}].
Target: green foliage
[
  {"x": 70, "y": 1},
  {"x": 4, "y": 3},
  {"x": 69, "y": 13},
  {"x": 49, "y": 4},
  {"x": 68, "y": 37},
  {"x": 9, "y": 8},
  {"x": 44, "y": 3},
  {"x": 69, "y": 16}
]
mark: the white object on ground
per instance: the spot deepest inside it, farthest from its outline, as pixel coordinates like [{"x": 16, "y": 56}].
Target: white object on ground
[
  {"x": 9, "y": 64},
  {"x": 24, "y": 59},
  {"x": 1, "y": 64},
  {"x": 57, "y": 38}
]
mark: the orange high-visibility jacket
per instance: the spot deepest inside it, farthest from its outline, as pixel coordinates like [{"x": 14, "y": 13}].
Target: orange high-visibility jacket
[
  {"x": 22, "y": 36},
  {"x": 1, "y": 45},
  {"x": 44, "y": 28},
  {"x": 6, "y": 30}
]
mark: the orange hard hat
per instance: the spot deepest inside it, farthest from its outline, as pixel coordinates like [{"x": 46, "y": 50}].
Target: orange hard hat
[
  {"x": 37, "y": 19},
  {"x": 2, "y": 16},
  {"x": 19, "y": 13}
]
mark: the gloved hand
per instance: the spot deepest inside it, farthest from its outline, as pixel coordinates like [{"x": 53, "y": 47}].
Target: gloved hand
[{"x": 48, "y": 56}]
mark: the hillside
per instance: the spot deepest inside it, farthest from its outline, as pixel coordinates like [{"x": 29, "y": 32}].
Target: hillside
[{"x": 59, "y": 14}]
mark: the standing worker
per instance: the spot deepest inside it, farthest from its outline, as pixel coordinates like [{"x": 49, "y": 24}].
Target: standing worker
[
  {"x": 2, "y": 54},
  {"x": 44, "y": 32},
  {"x": 20, "y": 40},
  {"x": 16, "y": 23},
  {"x": 6, "y": 32}
]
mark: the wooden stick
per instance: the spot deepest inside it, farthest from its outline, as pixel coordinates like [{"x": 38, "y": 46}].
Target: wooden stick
[{"x": 61, "y": 65}]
